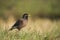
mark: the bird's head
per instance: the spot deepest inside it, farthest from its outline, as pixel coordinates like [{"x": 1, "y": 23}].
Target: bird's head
[{"x": 25, "y": 16}]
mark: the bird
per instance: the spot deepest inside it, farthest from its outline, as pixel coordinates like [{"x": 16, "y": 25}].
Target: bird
[{"x": 20, "y": 23}]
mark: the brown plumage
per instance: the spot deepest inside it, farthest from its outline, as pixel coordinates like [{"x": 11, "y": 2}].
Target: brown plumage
[{"x": 20, "y": 23}]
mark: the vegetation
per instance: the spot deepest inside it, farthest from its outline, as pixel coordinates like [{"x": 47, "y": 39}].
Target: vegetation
[
  {"x": 33, "y": 7},
  {"x": 22, "y": 35}
]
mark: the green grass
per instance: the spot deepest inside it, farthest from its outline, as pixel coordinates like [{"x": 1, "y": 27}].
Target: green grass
[{"x": 22, "y": 35}]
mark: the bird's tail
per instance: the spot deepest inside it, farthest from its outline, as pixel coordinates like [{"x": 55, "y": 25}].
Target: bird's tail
[{"x": 11, "y": 29}]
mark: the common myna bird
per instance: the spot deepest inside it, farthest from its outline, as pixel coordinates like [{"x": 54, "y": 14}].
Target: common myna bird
[{"x": 20, "y": 23}]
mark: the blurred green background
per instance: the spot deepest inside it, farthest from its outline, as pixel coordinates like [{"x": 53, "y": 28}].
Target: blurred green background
[{"x": 33, "y": 7}]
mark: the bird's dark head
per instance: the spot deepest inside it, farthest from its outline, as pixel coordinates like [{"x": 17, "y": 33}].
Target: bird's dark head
[{"x": 25, "y": 16}]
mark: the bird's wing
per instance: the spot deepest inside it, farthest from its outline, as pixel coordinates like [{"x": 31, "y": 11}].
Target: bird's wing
[{"x": 18, "y": 22}]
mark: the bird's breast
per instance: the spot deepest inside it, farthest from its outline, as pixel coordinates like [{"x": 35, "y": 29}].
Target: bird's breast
[{"x": 25, "y": 22}]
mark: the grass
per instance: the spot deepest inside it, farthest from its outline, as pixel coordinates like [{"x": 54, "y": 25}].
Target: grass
[
  {"x": 27, "y": 36},
  {"x": 38, "y": 29}
]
